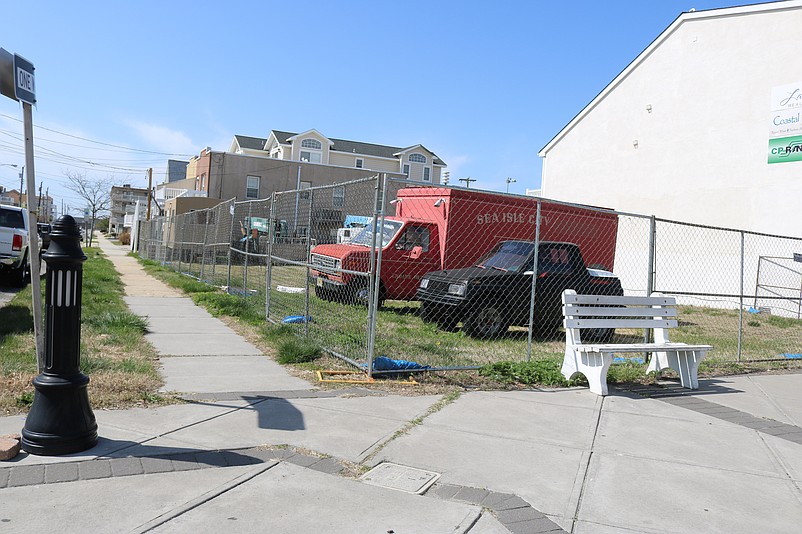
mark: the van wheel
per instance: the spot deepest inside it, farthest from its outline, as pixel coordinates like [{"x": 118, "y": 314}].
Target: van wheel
[{"x": 486, "y": 322}]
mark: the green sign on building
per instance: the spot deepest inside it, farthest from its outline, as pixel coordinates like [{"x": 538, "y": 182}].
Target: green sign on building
[{"x": 785, "y": 149}]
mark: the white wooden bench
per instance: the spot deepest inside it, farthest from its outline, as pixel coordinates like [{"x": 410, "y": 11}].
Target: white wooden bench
[{"x": 656, "y": 312}]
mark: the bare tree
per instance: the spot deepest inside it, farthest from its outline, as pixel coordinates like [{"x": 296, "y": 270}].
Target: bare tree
[{"x": 95, "y": 191}]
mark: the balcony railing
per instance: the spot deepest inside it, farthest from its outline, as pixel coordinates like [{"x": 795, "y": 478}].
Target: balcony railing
[{"x": 168, "y": 193}]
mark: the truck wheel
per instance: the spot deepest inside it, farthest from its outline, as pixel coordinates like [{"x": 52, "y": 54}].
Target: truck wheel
[
  {"x": 323, "y": 294},
  {"x": 486, "y": 322},
  {"x": 447, "y": 323},
  {"x": 19, "y": 275},
  {"x": 432, "y": 313},
  {"x": 360, "y": 296},
  {"x": 428, "y": 312}
]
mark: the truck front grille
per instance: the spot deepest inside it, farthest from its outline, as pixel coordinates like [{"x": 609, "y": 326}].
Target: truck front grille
[{"x": 325, "y": 262}]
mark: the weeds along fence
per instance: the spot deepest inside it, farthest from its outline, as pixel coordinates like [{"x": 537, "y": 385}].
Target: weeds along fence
[{"x": 454, "y": 278}]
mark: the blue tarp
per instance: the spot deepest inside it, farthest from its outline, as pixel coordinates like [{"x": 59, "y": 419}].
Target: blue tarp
[
  {"x": 292, "y": 319},
  {"x": 383, "y": 363},
  {"x": 356, "y": 221},
  {"x": 618, "y": 359}
]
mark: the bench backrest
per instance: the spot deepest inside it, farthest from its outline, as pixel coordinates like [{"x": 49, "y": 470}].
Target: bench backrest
[{"x": 656, "y": 312}]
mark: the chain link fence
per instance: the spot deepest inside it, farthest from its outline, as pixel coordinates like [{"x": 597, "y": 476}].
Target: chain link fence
[{"x": 454, "y": 278}]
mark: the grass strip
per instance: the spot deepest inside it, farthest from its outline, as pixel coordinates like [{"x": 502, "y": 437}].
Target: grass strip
[{"x": 122, "y": 366}]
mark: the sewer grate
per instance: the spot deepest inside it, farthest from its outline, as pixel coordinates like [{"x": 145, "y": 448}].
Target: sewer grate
[{"x": 400, "y": 477}]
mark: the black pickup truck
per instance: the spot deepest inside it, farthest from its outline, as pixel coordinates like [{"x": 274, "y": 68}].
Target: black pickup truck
[{"x": 496, "y": 293}]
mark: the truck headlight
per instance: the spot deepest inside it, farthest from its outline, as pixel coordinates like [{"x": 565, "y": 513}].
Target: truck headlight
[
  {"x": 424, "y": 283},
  {"x": 457, "y": 289}
]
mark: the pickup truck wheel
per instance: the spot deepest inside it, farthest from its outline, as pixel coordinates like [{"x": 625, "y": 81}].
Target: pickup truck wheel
[
  {"x": 428, "y": 312},
  {"x": 19, "y": 275},
  {"x": 323, "y": 294},
  {"x": 360, "y": 296},
  {"x": 432, "y": 313},
  {"x": 486, "y": 322}
]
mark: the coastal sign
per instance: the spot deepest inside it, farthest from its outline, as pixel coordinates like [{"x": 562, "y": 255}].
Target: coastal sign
[{"x": 785, "y": 124}]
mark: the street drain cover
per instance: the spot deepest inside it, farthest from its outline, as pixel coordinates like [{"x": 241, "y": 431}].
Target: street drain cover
[{"x": 400, "y": 477}]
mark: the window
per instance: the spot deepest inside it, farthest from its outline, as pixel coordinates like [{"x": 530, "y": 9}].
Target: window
[
  {"x": 415, "y": 236},
  {"x": 305, "y": 194},
  {"x": 417, "y": 158},
  {"x": 426, "y": 174},
  {"x": 360, "y": 163},
  {"x": 203, "y": 182},
  {"x": 338, "y": 196},
  {"x": 311, "y": 143},
  {"x": 252, "y": 187},
  {"x": 406, "y": 170},
  {"x": 310, "y": 157}
]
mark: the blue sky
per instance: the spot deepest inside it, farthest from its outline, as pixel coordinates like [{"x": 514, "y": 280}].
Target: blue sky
[{"x": 483, "y": 85}]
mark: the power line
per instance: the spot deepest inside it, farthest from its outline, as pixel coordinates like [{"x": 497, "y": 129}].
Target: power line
[{"x": 101, "y": 142}]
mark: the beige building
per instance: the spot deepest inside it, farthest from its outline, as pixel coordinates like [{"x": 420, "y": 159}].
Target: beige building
[
  {"x": 123, "y": 202},
  {"x": 254, "y": 167}
]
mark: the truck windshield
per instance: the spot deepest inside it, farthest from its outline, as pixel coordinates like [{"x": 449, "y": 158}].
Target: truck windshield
[
  {"x": 509, "y": 256},
  {"x": 365, "y": 237}
]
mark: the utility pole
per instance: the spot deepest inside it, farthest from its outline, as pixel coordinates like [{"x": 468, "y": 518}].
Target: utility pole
[
  {"x": 510, "y": 181},
  {"x": 39, "y": 202},
  {"x": 150, "y": 185},
  {"x": 21, "y": 174},
  {"x": 467, "y": 181}
]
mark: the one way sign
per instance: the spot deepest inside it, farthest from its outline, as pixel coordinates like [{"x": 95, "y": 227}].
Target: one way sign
[
  {"x": 23, "y": 80},
  {"x": 16, "y": 78}
]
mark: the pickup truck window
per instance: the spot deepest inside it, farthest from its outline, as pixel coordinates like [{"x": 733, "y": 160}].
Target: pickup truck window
[
  {"x": 554, "y": 260},
  {"x": 365, "y": 237},
  {"x": 415, "y": 236},
  {"x": 11, "y": 219}
]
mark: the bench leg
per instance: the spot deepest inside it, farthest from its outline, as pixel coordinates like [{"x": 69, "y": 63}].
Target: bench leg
[
  {"x": 594, "y": 365},
  {"x": 684, "y": 362}
]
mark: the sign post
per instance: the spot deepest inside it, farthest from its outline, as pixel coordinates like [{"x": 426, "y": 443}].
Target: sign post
[{"x": 19, "y": 84}]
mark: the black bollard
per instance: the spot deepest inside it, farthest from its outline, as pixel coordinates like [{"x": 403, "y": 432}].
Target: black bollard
[{"x": 61, "y": 420}]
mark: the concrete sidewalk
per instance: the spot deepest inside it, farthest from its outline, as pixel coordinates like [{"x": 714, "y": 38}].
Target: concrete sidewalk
[{"x": 261, "y": 451}]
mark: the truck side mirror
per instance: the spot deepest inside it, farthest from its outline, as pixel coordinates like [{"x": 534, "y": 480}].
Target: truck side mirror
[{"x": 415, "y": 252}]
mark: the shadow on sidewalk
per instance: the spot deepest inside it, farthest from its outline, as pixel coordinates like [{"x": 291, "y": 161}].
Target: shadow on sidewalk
[{"x": 273, "y": 412}]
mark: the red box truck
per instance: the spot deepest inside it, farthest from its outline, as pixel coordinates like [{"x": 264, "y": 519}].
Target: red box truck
[{"x": 437, "y": 228}]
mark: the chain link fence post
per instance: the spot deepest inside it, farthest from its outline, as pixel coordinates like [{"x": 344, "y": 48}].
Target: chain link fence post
[
  {"x": 271, "y": 238},
  {"x": 247, "y": 245},
  {"x": 741, "y": 301},
  {"x": 232, "y": 210},
  {"x": 374, "y": 279},
  {"x": 207, "y": 213},
  {"x": 534, "y": 284},
  {"x": 308, "y": 257},
  {"x": 650, "y": 275}
]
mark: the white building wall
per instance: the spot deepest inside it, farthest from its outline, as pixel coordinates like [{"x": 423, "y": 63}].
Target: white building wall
[{"x": 698, "y": 106}]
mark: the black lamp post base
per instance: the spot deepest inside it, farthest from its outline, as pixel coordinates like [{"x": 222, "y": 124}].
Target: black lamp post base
[{"x": 61, "y": 420}]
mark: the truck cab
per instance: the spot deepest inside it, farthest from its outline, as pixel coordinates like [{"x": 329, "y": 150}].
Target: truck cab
[
  {"x": 410, "y": 248},
  {"x": 14, "y": 242},
  {"x": 496, "y": 292}
]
